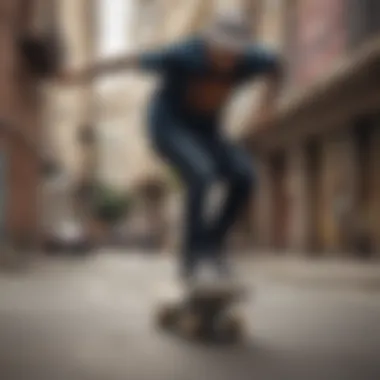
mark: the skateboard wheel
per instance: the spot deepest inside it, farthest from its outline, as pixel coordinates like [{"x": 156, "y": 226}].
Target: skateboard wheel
[
  {"x": 231, "y": 329},
  {"x": 167, "y": 316},
  {"x": 189, "y": 325}
]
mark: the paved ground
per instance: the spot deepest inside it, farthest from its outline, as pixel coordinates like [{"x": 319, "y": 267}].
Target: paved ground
[{"x": 91, "y": 319}]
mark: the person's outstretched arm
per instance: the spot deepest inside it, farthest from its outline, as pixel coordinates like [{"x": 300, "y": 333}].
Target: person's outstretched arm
[
  {"x": 102, "y": 68},
  {"x": 159, "y": 61}
]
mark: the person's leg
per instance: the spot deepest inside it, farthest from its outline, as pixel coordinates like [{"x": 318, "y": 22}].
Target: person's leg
[
  {"x": 187, "y": 155},
  {"x": 237, "y": 171}
]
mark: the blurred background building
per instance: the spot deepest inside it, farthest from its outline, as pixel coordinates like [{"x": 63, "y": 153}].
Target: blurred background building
[
  {"x": 21, "y": 111},
  {"x": 317, "y": 160}
]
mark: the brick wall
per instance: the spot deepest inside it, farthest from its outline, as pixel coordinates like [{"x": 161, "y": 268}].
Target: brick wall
[
  {"x": 264, "y": 205},
  {"x": 19, "y": 106},
  {"x": 327, "y": 213},
  {"x": 320, "y": 38}
]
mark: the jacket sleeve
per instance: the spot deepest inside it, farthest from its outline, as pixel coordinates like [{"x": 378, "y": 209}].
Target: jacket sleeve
[
  {"x": 260, "y": 60},
  {"x": 163, "y": 60}
]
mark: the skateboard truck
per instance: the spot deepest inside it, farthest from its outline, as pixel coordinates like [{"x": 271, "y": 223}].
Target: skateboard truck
[{"x": 205, "y": 315}]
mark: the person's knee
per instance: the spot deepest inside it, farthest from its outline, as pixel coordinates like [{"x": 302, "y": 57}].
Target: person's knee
[{"x": 243, "y": 178}]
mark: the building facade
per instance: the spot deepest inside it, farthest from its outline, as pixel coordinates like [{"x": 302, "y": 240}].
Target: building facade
[
  {"x": 318, "y": 157},
  {"x": 20, "y": 115},
  {"x": 68, "y": 116}
]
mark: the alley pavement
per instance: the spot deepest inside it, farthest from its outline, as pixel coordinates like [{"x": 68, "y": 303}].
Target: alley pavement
[{"x": 92, "y": 318}]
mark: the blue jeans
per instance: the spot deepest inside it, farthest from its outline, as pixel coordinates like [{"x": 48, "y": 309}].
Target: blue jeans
[{"x": 203, "y": 159}]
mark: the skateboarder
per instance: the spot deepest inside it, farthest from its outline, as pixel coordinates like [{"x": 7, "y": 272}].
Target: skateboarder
[{"x": 198, "y": 76}]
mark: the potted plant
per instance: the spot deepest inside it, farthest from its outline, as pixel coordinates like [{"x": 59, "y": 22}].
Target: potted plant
[{"x": 109, "y": 206}]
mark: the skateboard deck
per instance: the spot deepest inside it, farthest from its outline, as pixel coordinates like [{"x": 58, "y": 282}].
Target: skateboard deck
[{"x": 204, "y": 312}]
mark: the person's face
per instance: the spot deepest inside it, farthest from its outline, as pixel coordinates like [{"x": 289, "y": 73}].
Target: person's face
[{"x": 223, "y": 59}]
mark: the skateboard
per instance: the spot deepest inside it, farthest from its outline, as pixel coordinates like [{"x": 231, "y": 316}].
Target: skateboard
[{"x": 205, "y": 313}]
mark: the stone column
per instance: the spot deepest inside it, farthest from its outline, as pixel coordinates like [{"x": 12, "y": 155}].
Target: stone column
[
  {"x": 344, "y": 206},
  {"x": 339, "y": 186},
  {"x": 297, "y": 187},
  {"x": 375, "y": 176},
  {"x": 264, "y": 203}
]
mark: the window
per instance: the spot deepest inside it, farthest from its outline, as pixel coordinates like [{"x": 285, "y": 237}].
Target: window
[
  {"x": 114, "y": 33},
  {"x": 113, "y": 20}
]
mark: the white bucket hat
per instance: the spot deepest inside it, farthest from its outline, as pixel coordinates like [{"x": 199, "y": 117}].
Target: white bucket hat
[{"x": 230, "y": 30}]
